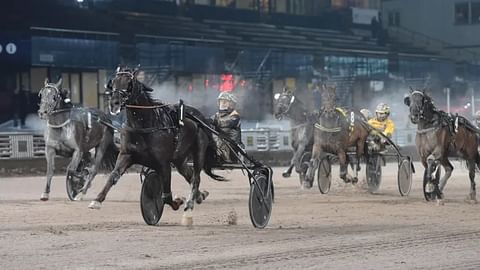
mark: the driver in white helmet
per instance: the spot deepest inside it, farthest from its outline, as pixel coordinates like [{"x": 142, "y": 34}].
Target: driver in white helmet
[
  {"x": 227, "y": 120},
  {"x": 477, "y": 119}
]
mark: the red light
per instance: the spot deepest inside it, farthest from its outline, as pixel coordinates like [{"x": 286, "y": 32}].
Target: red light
[{"x": 227, "y": 83}]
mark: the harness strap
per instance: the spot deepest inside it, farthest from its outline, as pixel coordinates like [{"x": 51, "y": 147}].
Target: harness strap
[
  {"x": 58, "y": 126},
  {"x": 329, "y": 130},
  {"x": 146, "y": 130},
  {"x": 426, "y": 130},
  {"x": 146, "y": 107}
]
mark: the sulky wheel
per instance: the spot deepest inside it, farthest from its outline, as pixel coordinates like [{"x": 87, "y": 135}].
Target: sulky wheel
[
  {"x": 404, "y": 177},
  {"x": 261, "y": 199},
  {"x": 374, "y": 172},
  {"x": 430, "y": 196},
  {"x": 324, "y": 175},
  {"x": 151, "y": 202}
]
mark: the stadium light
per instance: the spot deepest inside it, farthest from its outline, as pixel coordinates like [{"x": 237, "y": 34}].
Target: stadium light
[{"x": 79, "y": 1}]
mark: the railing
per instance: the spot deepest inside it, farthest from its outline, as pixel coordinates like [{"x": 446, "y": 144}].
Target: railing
[
  {"x": 21, "y": 146},
  {"x": 445, "y": 48}
]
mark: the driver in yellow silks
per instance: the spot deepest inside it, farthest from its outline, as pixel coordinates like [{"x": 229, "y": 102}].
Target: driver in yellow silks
[{"x": 382, "y": 123}]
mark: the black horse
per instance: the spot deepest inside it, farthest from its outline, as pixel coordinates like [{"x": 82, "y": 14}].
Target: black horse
[
  {"x": 301, "y": 131},
  {"x": 73, "y": 132},
  {"x": 438, "y": 136},
  {"x": 152, "y": 137}
]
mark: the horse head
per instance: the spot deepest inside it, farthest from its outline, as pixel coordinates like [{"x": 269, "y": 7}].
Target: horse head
[
  {"x": 124, "y": 88},
  {"x": 52, "y": 97},
  {"x": 283, "y": 103},
  {"x": 420, "y": 104},
  {"x": 329, "y": 98}
]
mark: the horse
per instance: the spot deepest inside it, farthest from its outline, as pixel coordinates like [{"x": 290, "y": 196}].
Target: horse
[
  {"x": 73, "y": 132},
  {"x": 438, "y": 135},
  {"x": 301, "y": 131},
  {"x": 153, "y": 137},
  {"x": 335, "y": 131}
]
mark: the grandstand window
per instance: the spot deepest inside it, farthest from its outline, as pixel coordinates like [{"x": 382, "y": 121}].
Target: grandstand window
[
  {"x": 461, "y": 13},
  {"x": 281, "y": 6},
  {"x": 475, "y": 12},
  {"x": 225, "y": 3},
  {"x": 203, "y": 2},
  {"x": 246, "y": 4}
]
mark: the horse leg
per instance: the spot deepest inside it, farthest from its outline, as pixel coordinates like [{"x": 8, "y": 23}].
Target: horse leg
[
  {"x": 312, "y": 166},
  {"x": 165, "y": 174},
  {"x": 297, "y": 157},
  {"x": 288, "y": 171},
  {"x": 92, "y": 172},
  {"x": 448, "y": 172},
  {"x": 342, "y": 160},
  {"x": 50, "y": 156},
  {"x": 73, "y": 165},
  {"x": 360, "y": 154},
  {"x": 472, "y": 196},
  {"x": 433, "y": 161},
  {"x": 124, "y": 161}
]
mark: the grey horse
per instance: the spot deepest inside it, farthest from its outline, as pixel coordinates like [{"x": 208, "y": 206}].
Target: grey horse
[
  {"x": 74, "y": 132},
  {"x": 286, "y": 104}
]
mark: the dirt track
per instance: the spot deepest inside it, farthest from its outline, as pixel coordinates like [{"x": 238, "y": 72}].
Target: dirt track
[{"x": 346, "y": 229}]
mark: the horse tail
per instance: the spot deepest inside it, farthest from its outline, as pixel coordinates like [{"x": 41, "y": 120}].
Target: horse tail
[
  {"x": 110, "y": 155},
  {"x": 210, "y": 160}
]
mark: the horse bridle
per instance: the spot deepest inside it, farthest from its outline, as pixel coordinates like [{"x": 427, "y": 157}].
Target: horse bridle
[
  {"x": 57, "y": 97},
  {"x": 123, "y": 92},
  {"x": 292, "y": 99},
  {"x": 421, "y": 111}
]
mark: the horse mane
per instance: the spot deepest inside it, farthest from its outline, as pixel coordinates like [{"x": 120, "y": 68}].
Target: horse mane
[{"x": 142, "y": 90}]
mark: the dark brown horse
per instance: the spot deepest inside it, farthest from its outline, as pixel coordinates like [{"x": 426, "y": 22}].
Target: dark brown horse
[
  {"x": 335, "y": 131},
  {"x": 438, "y": 136},
  {"x": 152, "y": 137}
]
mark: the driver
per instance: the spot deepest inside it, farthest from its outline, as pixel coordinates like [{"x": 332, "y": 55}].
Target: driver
[
  {"x": 382, "y": 123},
  {"x": 477, "y": 119},
  {"x": 227, "y": 120}
]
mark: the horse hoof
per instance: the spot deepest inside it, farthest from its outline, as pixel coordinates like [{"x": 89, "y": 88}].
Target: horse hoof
[
  {"x": 286, "y": 174},
  {"x": 187, "y": 218},
  {"x": 429, "y": 187},
  {"x": 354, "y": 180},
  {"x": 176, "y": 203},
  {"x": 44, "y": 197},
  {"x": 202, "y": 196},
  {"x": 307, "y": 185},
  {"x": 79, "y": 197},
  {"x": 440, "y": 202},
  {"x": 95, "y": 205}
]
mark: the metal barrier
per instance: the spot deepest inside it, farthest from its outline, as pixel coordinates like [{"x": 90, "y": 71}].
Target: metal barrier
[
  {"x": 26, "y": 145},
  {"x": 21, "y": 145},
  {"x": 404, "y": 137},
  {"x": 265, "y": 139}
]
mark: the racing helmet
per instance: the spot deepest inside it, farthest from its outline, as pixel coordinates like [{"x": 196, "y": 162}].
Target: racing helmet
[
  {"x": 477, "y": 116},
  {"x": 382, "y": 111},
  {"x": 226, "y": 106},
  {"x": 366, "y": 113}
]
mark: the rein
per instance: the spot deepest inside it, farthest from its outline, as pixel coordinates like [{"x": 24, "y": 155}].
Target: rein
[{"x": 146, "y": 106}]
